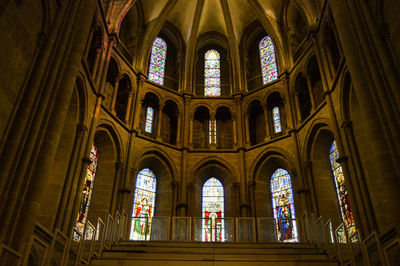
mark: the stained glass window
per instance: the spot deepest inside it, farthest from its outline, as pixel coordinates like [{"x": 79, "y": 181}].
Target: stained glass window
[
  {"x": 86, "y": 194},
  {"x": 277, "y": 120},
  {"x": 212, "y": 131},
  {"x": 283, "y": 206},
  {"x": 213, "y": 227},
  {"x": 149, "y": 119},
  {"x": 269, "y": 68},
  {"x": 157, "y": 61},
  {"x": 143, "y": 205},
  {"x": 212, "y": 74},
  {"x": 341, "y": 191}
]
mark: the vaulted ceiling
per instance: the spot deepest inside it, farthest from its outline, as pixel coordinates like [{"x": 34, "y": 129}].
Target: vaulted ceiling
[{"x": 192, "y": 18}]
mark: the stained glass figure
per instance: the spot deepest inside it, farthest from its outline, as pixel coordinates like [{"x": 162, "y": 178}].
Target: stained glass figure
[
  {"x": 277, "y": 120},
  {"x": 86, "y": 195},
  {"x": 157, "y": 61},
  {"x": 269, "y": 68},
  {"x": 212, "y": 74},
  {"x": 212, "y": 131},
  {"x": 283, "y": 206},
  {"x": 143, "y": 205},
  {"x": 341, "y": 191},
  {"x": 149, "y": 119},
  {"x": 213, "y": 227}
]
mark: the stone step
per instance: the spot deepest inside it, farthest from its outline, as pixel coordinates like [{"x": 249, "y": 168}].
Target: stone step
[{"x": 192, "y": 253}]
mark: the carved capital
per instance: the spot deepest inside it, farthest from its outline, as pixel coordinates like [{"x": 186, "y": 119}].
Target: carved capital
[
  {"x": 175, "y": 184},
  {"x": 347, "y": 124},
  {"x": 307, "y": 165},
  {"x": 342, "y": 159},
  {"x": 189, "y": 187}
]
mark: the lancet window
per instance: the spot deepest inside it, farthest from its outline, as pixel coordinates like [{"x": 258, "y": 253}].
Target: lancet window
[
  {"x": 157, "y": 61},
  {"x": 143, "y": 205},
  {"x": 283, "y": 206},
  {"x": 269, "y": 67},
  {"x": 277, "y": 120},
  {"x": 86, "y": 194},
  {"x": 212, "y": 73},
  {"x": 213, "y": 227},
  {"x": 149, "y": 119},
  {"x": 341, "y": 191}
]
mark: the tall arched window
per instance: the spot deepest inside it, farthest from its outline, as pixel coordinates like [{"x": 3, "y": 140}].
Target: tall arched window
[
  {"x": 283, "y": 206},
  {"x": 86, "y": 194},
  {"x": 212, "y": 73},
  {"x": 213, "y": 229},
  {"x": 149, "y": 119},
  {"x": 341, "y": 191},
  {"x": 157, "y": 61},
  {"x": 277, "y": 120},
  {"x": 143, "y": 205},
  {"x": 212, "y": 131},
  {"x": 269, "y": 68}
]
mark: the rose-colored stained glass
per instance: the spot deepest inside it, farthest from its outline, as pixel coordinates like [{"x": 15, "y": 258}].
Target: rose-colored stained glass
[
  {"x": 277, "y": 120},
  {"x": 157, "y": 61},
  {"x": 269, "y": 68},
  {"x": 149, "y": 119},
  {"x": 283, "y": 206},
  {"x": 341, "y": 191},
  {"x": 212, "y": 74},
  {"x": 86, "y": 194},
  {"x": 213, "y": 227},
  {"x": 143, "y": 205}
]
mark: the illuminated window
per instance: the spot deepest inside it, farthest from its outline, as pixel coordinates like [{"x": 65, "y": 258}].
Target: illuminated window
[
  {"x": 143, "y": 205},
  {"x": 157, "y": 61},
  {"x": 341, "y": 191},
  {"x": 269, "y": 68},
  {"x": 212, "y": 131},
  {"x": 86, "y": 195},
  {"x": 213, "y": 228},
  {"x": 212, "y": 74},
  {"x": 277, "y": 120},
  {"x": 149, "y": 119},
  {"x": 283, "y": 206}
]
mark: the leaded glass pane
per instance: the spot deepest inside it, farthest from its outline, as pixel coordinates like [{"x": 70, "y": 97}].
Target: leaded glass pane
[
  {"x": 269, "y": 68},
  {"x": 143, "y": 205},
  {"x": 86, "y": 194},
  {"x": 341, "y": 191},
  {"x": 212, "y": 131},
  {"x": 149, "y": 119},
  {"x": 213, "y": 227},
  {"x": 157, "y": 61},
  {"x": 277, "y": 120},
  {"x": 283, "y": 205},
  {"x": 212, "y": 74}
]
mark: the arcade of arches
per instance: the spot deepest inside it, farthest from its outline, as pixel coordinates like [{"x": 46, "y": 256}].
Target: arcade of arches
[{"x": 198, "y": 108}]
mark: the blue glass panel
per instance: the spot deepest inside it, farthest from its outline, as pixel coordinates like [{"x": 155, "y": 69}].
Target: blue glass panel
[
  {"x": 269, "y": 68},
  {"x": 157, "y": 61}
]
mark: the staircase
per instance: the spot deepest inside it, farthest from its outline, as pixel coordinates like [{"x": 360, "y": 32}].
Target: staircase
[{"x": 197, "y": 253}]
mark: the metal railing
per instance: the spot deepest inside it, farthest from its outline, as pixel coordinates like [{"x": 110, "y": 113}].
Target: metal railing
[{"x": 78, "y": 249}]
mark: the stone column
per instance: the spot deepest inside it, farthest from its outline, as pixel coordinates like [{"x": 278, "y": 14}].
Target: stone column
[
  {"x": 247, "y": 126},
  {"x": 311, "y": 201},
  {"x": 311, "y": 92},
  {"x": 99, "y": 51},
  {"x": 234, "y": 128},
  {"x": 382, "y": 174},
  {"x": 179, "y": 129},
  {"x": 267, "y": 125},
  {"x": 119, "y": 166},
  {"x": 35, "y": 197},
  {"x": 175, "y": 196},
  {"x": 115, "y": 93},
  {"x": 212, "y": 144},
  {"x": 297, "y": 105},
  {"x": 138, "y": 103},
  {"x": 160, "y": 117},
  {"x": 129, "y": 105}
]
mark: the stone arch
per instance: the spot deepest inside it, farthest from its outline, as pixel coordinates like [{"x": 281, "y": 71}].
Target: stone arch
[
  {"x": 150, "y": 100},
  {"x": 263, "y": 168},
  {"x": 109, "y": 154},
  {"x": 256, "y": 119},
  {"x": 219, "y": 42},
  {"x": 224, "y": 125},
  {"x": 165, "y": 171},
  {"x": 201, "y": 120},
  {"x": 319, "y": 142},
  {"x": 112, "y": 79},
  {"x": 169, "y": 124},
  {"x": 314, "y": 75},
  {"x": 275, "y": 101},
  {"x": 225, "y": 173}
]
